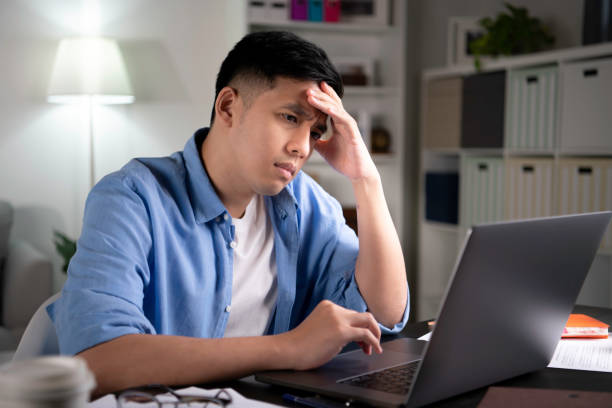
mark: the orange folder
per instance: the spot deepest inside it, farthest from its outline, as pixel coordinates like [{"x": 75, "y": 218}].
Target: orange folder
[{"x": 583, "y": 326}]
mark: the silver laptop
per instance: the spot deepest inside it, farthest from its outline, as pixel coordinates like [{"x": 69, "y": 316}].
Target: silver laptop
[{"x": 512, "y": 290}]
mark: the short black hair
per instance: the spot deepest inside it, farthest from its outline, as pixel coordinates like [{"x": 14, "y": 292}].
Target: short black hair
[{"x": 266, "y": 55}]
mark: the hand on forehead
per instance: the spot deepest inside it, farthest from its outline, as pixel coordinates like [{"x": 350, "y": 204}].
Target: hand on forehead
[{"x": 325, "y": 100}]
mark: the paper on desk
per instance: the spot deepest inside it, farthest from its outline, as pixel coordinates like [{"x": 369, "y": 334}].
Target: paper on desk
[
  {"x": 583, "y": 354},
  {"x": 425, "y": 337},
  {"x": 578, "y": 354},
  {"x": 238, "y": 400}
]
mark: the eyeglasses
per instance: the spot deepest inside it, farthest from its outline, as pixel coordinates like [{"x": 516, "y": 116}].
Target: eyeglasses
[{"x": 145, "y": 397}]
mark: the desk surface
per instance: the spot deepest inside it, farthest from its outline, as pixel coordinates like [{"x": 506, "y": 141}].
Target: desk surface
[{"x": 550, "y": 378}]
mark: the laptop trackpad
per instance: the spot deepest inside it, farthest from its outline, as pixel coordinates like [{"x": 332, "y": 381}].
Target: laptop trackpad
[{"x": 352, "y": 363}]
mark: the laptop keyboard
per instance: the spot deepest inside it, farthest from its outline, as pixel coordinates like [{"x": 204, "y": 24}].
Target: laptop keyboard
[{"x": 395, "y": 380}]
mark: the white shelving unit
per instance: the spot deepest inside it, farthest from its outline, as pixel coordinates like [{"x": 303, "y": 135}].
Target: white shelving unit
[
  {"x": 301, "y": 26},
  {"x": 439, "y": 243},
  {"x": 384, "y": 100}
]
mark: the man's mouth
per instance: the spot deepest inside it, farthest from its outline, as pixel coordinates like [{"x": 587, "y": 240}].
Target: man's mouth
[{"x": 289, "y": 167}]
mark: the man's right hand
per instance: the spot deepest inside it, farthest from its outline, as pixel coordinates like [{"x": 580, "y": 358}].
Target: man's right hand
[
  {"x": 325, "y": 332},
  {"x": 135, "y": 359}
]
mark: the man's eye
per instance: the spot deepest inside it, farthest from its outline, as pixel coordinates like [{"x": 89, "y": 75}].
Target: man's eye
[
  {"x": 315, "y": 135},
  {"x": 289, "y": 118}
]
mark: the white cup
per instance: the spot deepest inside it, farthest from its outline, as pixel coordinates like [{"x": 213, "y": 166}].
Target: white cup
[{"x": 46, "y": 382}]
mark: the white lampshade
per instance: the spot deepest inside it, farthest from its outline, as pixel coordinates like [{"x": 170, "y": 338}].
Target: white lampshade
[{"x": 91, "y": 67}]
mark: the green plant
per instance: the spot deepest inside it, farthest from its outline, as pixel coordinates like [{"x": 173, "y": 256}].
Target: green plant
[
  {"x": 510, "y": 34},
  {"x": 66, "y": 247}
]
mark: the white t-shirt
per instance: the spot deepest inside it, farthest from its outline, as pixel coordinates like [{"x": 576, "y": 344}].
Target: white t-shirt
[{"x": 254, "y": 285}]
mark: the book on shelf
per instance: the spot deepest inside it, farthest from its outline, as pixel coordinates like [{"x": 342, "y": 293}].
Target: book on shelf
[{"x": 584, "y": 326}]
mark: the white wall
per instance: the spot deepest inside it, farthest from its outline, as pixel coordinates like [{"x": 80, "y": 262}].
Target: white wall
[{"x": 172, "y": 50}]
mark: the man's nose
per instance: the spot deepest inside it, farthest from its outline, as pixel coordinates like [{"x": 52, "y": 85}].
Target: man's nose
[{"x": 299, "y": 144}]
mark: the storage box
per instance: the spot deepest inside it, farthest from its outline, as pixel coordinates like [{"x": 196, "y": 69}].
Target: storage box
[
  {"x": 315, "y": 10},
  {"x": 585, "y": 185},
  {"x": 596, "y": 22},
  {"x": 442, "y": 121},
  {"x": 374, "y": 12},
  {"x": 482, "y": 190},
  {"x": 482, "y": 117},
  {"x": 258, "y": 10},
  {"x": 529, "y": 188},
  {"x": 530, "y": 109},
  {"x": 299, "y": 9},
  {"x": 331, "y": 11},
  {"x": 278, "y": 10},
  {"x": 269, "y": 11},
  {"x": 441, "y": 197},
  {"x": 586, "y": 113}
]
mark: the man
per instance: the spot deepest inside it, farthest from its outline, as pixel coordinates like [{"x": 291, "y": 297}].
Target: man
[{"x": 241, "y": 261}]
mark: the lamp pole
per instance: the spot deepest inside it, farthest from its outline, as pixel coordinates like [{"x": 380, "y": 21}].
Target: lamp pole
[{"x": 92, "y": 164}]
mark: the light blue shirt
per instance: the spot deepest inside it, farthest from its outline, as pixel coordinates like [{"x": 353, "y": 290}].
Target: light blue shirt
[{"x": 154, "y": 255}]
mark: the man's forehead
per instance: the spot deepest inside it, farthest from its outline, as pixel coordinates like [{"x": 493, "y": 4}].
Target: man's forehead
[
  {"x": 291, "y": 94},
  {"x": 291, "y": 89}
]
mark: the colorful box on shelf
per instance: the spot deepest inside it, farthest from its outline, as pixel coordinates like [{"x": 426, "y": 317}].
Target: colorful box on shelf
[
  {"x": 331, "y": 11},
  {"x": 299, "y": 9},
  {"x": 315, "y": 10}
]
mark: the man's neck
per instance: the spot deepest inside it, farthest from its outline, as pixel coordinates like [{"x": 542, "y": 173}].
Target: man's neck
[{"x": 218, "y": 160}]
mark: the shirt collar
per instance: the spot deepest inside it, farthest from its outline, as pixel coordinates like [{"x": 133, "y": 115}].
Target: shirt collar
[{"x": 205, "y": 202}]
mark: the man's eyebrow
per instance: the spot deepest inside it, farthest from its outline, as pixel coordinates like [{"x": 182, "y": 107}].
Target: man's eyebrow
[{"x": 300, "y": 111}]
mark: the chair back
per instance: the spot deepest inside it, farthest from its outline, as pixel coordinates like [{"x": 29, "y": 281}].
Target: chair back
[
  {"x": 6, "y": 220},
  {"x": 39, "y": 338}
]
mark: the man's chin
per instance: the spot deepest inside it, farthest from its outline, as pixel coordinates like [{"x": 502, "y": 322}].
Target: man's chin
[{"x": 272, "y": 189}]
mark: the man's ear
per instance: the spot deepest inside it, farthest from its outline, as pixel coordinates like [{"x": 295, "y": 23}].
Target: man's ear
[{"x": 226, "y": 105}]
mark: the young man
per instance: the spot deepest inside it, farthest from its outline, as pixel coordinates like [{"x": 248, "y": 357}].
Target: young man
[{"x": 226, "y": 259}]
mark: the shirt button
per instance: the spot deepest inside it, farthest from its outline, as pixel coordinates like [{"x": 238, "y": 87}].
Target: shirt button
[
  {"x": 233, "y": 244},
  {"x": 228, "y": 308},
  {"x": 225, "y": 217}
]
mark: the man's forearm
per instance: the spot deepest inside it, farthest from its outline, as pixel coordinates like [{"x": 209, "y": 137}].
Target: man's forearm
[
  {"x": 138, "y": 359},
  {"x": 380, "y": 269}
]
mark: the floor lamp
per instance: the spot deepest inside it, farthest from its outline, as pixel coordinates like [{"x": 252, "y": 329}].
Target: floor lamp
[{"x": 89, "y": 70}]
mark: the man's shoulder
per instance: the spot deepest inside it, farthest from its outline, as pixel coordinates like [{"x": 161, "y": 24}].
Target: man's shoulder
[{"x": 149, "y": 173}]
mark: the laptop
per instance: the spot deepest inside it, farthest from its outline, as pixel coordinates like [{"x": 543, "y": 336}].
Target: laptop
[{"x": 507, "y": 302}]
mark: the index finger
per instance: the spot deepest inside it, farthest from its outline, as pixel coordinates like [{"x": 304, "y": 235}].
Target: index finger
[
  {"x": 330, "y": 91},
  {"x": 366, "y": 320}
]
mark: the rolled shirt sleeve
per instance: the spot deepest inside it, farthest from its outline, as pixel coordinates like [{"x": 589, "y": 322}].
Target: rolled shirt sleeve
[{"x": 103, "y": 296}]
